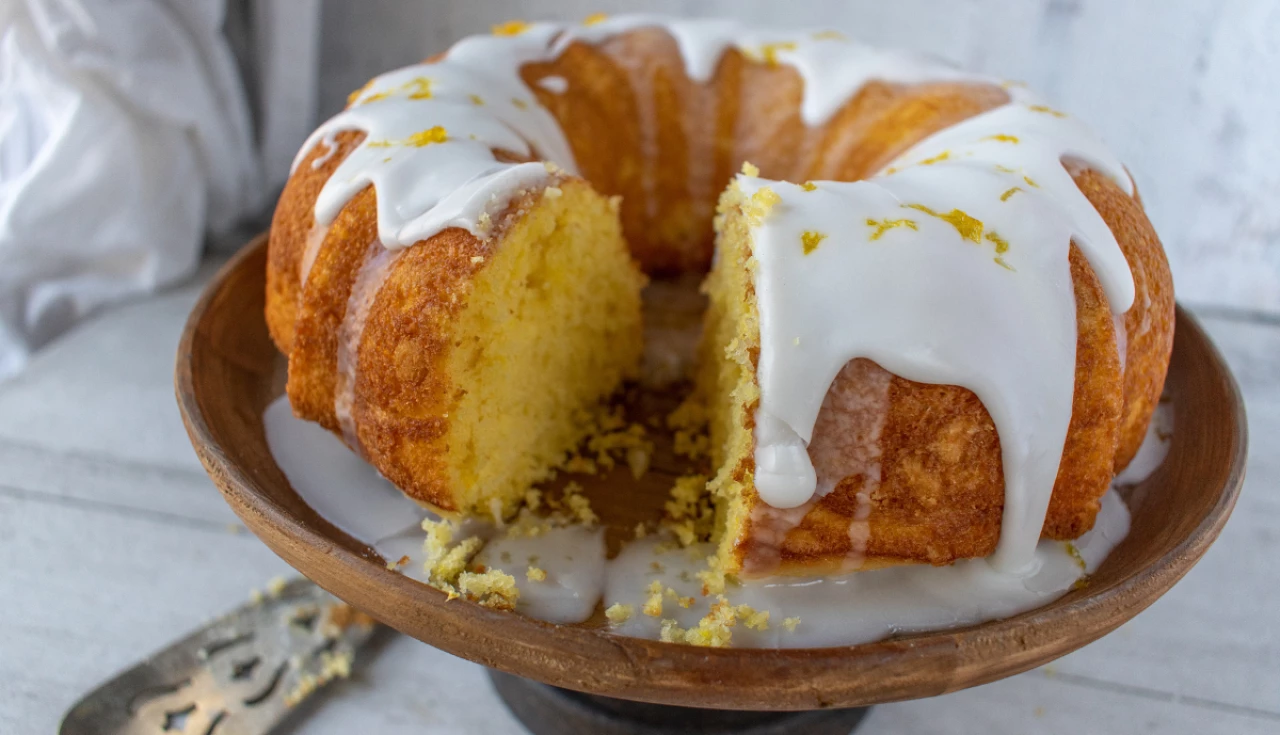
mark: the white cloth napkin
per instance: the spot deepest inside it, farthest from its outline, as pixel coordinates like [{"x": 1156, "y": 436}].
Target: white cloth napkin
[{"x": 124, "y": 133}]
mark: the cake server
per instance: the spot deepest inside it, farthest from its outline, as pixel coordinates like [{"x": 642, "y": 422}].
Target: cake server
[{"x": 242, "y": 674}]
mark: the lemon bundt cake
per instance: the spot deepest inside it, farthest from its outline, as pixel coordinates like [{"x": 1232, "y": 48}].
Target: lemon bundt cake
[{"x": 939, "y": 341}]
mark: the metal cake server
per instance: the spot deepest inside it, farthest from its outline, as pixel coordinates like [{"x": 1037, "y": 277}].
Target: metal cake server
[{"x": 241, "y": 674}]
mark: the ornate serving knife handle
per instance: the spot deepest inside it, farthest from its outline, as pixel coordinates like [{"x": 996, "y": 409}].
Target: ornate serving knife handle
[{"x": 239, "y": 675}]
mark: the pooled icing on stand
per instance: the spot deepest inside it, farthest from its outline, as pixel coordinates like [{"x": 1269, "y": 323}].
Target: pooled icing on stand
[{"x": 842, "y": 610}]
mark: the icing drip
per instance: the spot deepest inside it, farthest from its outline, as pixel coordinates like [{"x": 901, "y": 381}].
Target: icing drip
[
  {"x": 430, "y": 135},
  {"x": 845, "y": 448},
  {"x": 974, "y": 289},
  {"x": 315, "y": 239},
  {"x": 363, "y": 293}
]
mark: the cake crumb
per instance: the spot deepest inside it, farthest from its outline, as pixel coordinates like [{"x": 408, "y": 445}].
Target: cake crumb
[
  {"x": 533, "y": 499},
  {"x": 492, "y": 588},
  {"x": 579, "y": 505},
  {"x": 715, "y": 630},
  {"x": 685, "y": 602},
  {"x": 534, "y": 574},
  {"x": 751, "y": 618},
  {"x": 477, "y": 259},
  {"x": 553, "y": 192},
  {"x": 750, "y": 169},
  {"x": 790, "y": 624},
  {"x": 638, "y": 461},
  {"x": 275, "y": 587},
  {"x": 641, "y": 530},
  {"x": 713, "y": 577},
  {"x": 809, "y": 186},
  {"x": 653, "y": 605},
  {"x": 689, "y": 511},
  {"x": 671, "y": 632},
  {"x": 619, "y": 613},
  {"x": 760, "y": 205}
]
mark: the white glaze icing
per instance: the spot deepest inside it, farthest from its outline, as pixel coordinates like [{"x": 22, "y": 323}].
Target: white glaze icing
[
  {"x": 554, "y": 84},
  {"x": 572, "y": 558},
  {"x": 1155, "y": 447},
  {"x": 950, "y": 308},
  {"x": 344, "y": 489},
  {"x": 451, "y": 177},
  {"x": 364, "y": 292},
  {"x": 428, "y": 150}
]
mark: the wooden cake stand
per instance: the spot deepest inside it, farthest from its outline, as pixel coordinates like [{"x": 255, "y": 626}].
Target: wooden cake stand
[{"x": 228, "y": 371}]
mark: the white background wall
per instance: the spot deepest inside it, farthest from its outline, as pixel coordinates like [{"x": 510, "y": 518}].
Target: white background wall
[{"x": 1188, "y": 93}]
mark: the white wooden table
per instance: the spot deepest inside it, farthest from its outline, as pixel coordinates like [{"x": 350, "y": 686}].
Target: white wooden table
[{"x": 113, "y": 542}]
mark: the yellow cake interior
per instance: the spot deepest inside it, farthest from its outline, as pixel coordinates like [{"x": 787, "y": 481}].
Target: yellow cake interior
[
  {"x": 552, "y": 325},
  {"x": 726, "y": 382}
]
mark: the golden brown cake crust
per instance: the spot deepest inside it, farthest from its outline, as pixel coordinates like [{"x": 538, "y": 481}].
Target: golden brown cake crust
[
  {"x": 636, "y": 123},
  {"x": 940, "y": 493}
]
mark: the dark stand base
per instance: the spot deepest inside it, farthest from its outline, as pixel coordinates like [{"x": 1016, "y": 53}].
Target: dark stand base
[{"x": 548, "y": 710}]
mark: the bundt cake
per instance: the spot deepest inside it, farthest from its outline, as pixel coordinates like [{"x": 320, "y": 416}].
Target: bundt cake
[{"x": 939, "y": 320}]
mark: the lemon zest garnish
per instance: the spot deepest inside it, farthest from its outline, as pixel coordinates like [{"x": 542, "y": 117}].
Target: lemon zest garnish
[
  {"x": 436, "y": 134},
  {"x": 594, "y": 19},
  {"x": 830, "y": 36},
  {"x": 768, "y": 53},
  {"x": 476, "y": 100},
  {"x": 1002, "y": 138},
  {"x": 970, "y": 228},
  {"x": 809, "y": 240},
  {"x": 419, "y": 88},
  {"x": 511, "y": 28},
  {"x": 351, "y": 98},
  {"x": 936, "y": 159},
  {"x": 884, "y": 225},
  {"x": 1010, "y": 192},
  {"x": 1030, "y": 182},
  {"x": 519, "y": 103},
  {"x": 1000, "y": 262},
  {"x": 1006, "y": 169},
  {"x": 1002, "y": 245},
  {"x": 1075, "y": 554},
  {"x": 1046, "y": 110}
]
